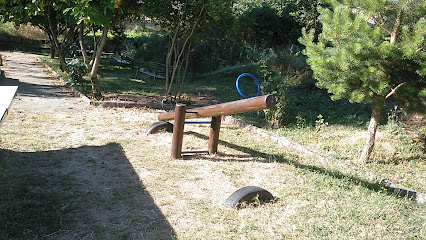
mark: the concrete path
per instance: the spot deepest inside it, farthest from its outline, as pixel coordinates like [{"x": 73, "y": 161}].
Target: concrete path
[{"x": 38, "y": 90}]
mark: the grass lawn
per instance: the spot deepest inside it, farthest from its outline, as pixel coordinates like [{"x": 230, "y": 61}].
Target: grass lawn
[
  {"x": 76, "y": 176},
  {"x": 395, "y": 147},
  {"x": 95, "y": 174}
]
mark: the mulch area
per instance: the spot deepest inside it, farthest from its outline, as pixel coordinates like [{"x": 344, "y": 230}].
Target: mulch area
[{"x": 154, "y": 102}]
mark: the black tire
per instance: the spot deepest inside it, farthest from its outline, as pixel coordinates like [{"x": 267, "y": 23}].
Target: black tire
[
  {"x": 248, "y": 195},
  {"x": 159, "y": 126}
]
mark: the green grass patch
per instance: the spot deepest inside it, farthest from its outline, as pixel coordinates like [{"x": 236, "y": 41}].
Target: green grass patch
[{"x": 121, "y": 80}]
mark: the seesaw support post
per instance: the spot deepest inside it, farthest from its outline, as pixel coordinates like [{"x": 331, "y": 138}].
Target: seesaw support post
[
  {"x": 178, "y": 128},
  {"x": 214, "y": 134},
  {"x": 215, "y": 112}
]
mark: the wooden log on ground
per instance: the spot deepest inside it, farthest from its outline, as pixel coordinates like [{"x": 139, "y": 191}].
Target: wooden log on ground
[{"x": 239, "y": 106}]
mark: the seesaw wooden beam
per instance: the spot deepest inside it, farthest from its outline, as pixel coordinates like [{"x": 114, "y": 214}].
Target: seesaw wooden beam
[
  {"x": 239, "y": 106},
  {"x": 215, "y": 112}
]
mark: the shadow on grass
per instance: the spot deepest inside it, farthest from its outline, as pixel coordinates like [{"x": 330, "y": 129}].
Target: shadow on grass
[
  {"x": 374, "y": 186},
  {"x": 86, "y": 192}
]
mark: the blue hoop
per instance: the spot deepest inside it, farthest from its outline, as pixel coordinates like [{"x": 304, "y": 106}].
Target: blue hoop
[{"x": 255, "y": 79}]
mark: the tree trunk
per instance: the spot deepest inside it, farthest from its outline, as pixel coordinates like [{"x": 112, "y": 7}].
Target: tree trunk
[
  {"x": 53, "y": 28},
  {"x": 371, "y": 135},
  {"x": 61, "y": 57},
  {"x": 94, "y": 73},
  {"x": 96, "y": 89},
  {"x": 83, "y": 47},
  {"x": 52, "y": 49},
  {"x": 170, "y": 77}
]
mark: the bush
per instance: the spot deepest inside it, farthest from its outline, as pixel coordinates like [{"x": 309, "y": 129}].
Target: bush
[
  {"x": 267, "y": 25},
  {"x": 151, "y": 45},
  {"x": 77, "y": 70},
  {"x": 281, "y": 71},
  {"x": 299, "y": 102}
]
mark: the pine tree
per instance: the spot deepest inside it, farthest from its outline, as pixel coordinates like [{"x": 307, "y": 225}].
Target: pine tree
[{"x": 370, "y": 51}]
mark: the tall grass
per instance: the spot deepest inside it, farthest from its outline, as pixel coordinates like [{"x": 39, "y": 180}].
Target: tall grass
[{"x": 26, "y": 31}]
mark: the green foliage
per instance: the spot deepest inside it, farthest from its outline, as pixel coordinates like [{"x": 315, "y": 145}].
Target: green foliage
[
  {"x": 182, "y": 20},
  {"x": 299, "y": 102},
  {"x": 274, "y": 22},
  {"x": 105, "y": 12},
  {"x": 48, "y": 16},
  {"x": 371, "y": 51},
  {"x": 267, "y": 26},
  {"x": 151, "y": 44},
  {"x": 306, "y": 14},
  {"x": 118, "y": 37},
  {"x": 77, "y": 70},
  {"x": 320, "y": 123},
  {"x": 358, "y": 60},
  {"x": 280, "y": 72}
]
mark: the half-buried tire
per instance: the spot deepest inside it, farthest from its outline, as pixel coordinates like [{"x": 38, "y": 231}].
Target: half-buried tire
[
  {"x": 247, "y": 195},
  {"x": 159, "y": 126}
]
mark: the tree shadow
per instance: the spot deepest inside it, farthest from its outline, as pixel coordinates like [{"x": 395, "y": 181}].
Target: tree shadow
[
  {"x": 89, "y": 192},
  {"x": 41, "y": 90},
  {"x": 267, "y": 157}
]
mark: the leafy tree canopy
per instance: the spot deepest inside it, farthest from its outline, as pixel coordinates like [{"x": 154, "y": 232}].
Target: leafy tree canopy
[
  {"x": 106, "y": 12},
  {"x": 371, "y": 50}
]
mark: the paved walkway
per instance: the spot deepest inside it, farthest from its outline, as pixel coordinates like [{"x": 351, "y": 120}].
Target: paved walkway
[{"x": 38, "y": 90}]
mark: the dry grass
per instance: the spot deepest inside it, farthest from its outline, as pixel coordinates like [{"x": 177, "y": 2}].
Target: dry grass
[
  {"x": 121, "y": 183},
  {"x": 27, "y": 31},
  {"x": 396, "y": 155}
]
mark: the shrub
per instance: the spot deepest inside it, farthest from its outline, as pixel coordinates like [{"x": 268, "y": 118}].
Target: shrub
[
  {"x": 77, "y": 70},
  {"x": 151, "y": 45},
  {"x": 281, "y": 71},
  {"x": 286, "y": 75}
]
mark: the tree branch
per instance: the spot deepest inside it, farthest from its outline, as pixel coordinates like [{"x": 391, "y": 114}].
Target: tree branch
[
  {"x": 393, "y": 90},
  {"x": 395, "y": 31},
  {"x": 381, "y": 25},
  {"x": 83, "y": 47}
]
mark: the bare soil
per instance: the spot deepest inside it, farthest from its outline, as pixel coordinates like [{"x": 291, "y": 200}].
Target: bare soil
[
  {"x": 99, "y": 162},
  {"x": 56, "y": 135},
  {"x": 201, "y": 100},
  {"x": 38, "y": 89}
]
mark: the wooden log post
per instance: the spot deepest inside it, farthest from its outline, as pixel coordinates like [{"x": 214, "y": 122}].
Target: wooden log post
[
  {"x": 178, "y": 128},
  {"x": 239, "y": 106},
  {"x": 214, "y": 134}
]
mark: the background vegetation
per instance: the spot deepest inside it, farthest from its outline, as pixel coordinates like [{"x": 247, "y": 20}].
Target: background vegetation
[
  {"x": 260, "y": 37},
  {"x": 315, "y": 199}
]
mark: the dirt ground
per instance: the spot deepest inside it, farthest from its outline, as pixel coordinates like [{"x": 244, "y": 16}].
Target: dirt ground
[
  {"x": 98, "y": 172},
  {"x": 104, "y": 178},
  {"x": 87, "y": 155},
  {"x": 39, "y": 91}
]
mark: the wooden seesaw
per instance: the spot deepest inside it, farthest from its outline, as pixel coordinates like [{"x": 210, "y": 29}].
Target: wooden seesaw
[{"x": 215, "y": 112}]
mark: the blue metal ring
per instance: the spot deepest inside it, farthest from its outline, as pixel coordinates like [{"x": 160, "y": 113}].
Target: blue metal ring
[{"x": 255, "y": 79}]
